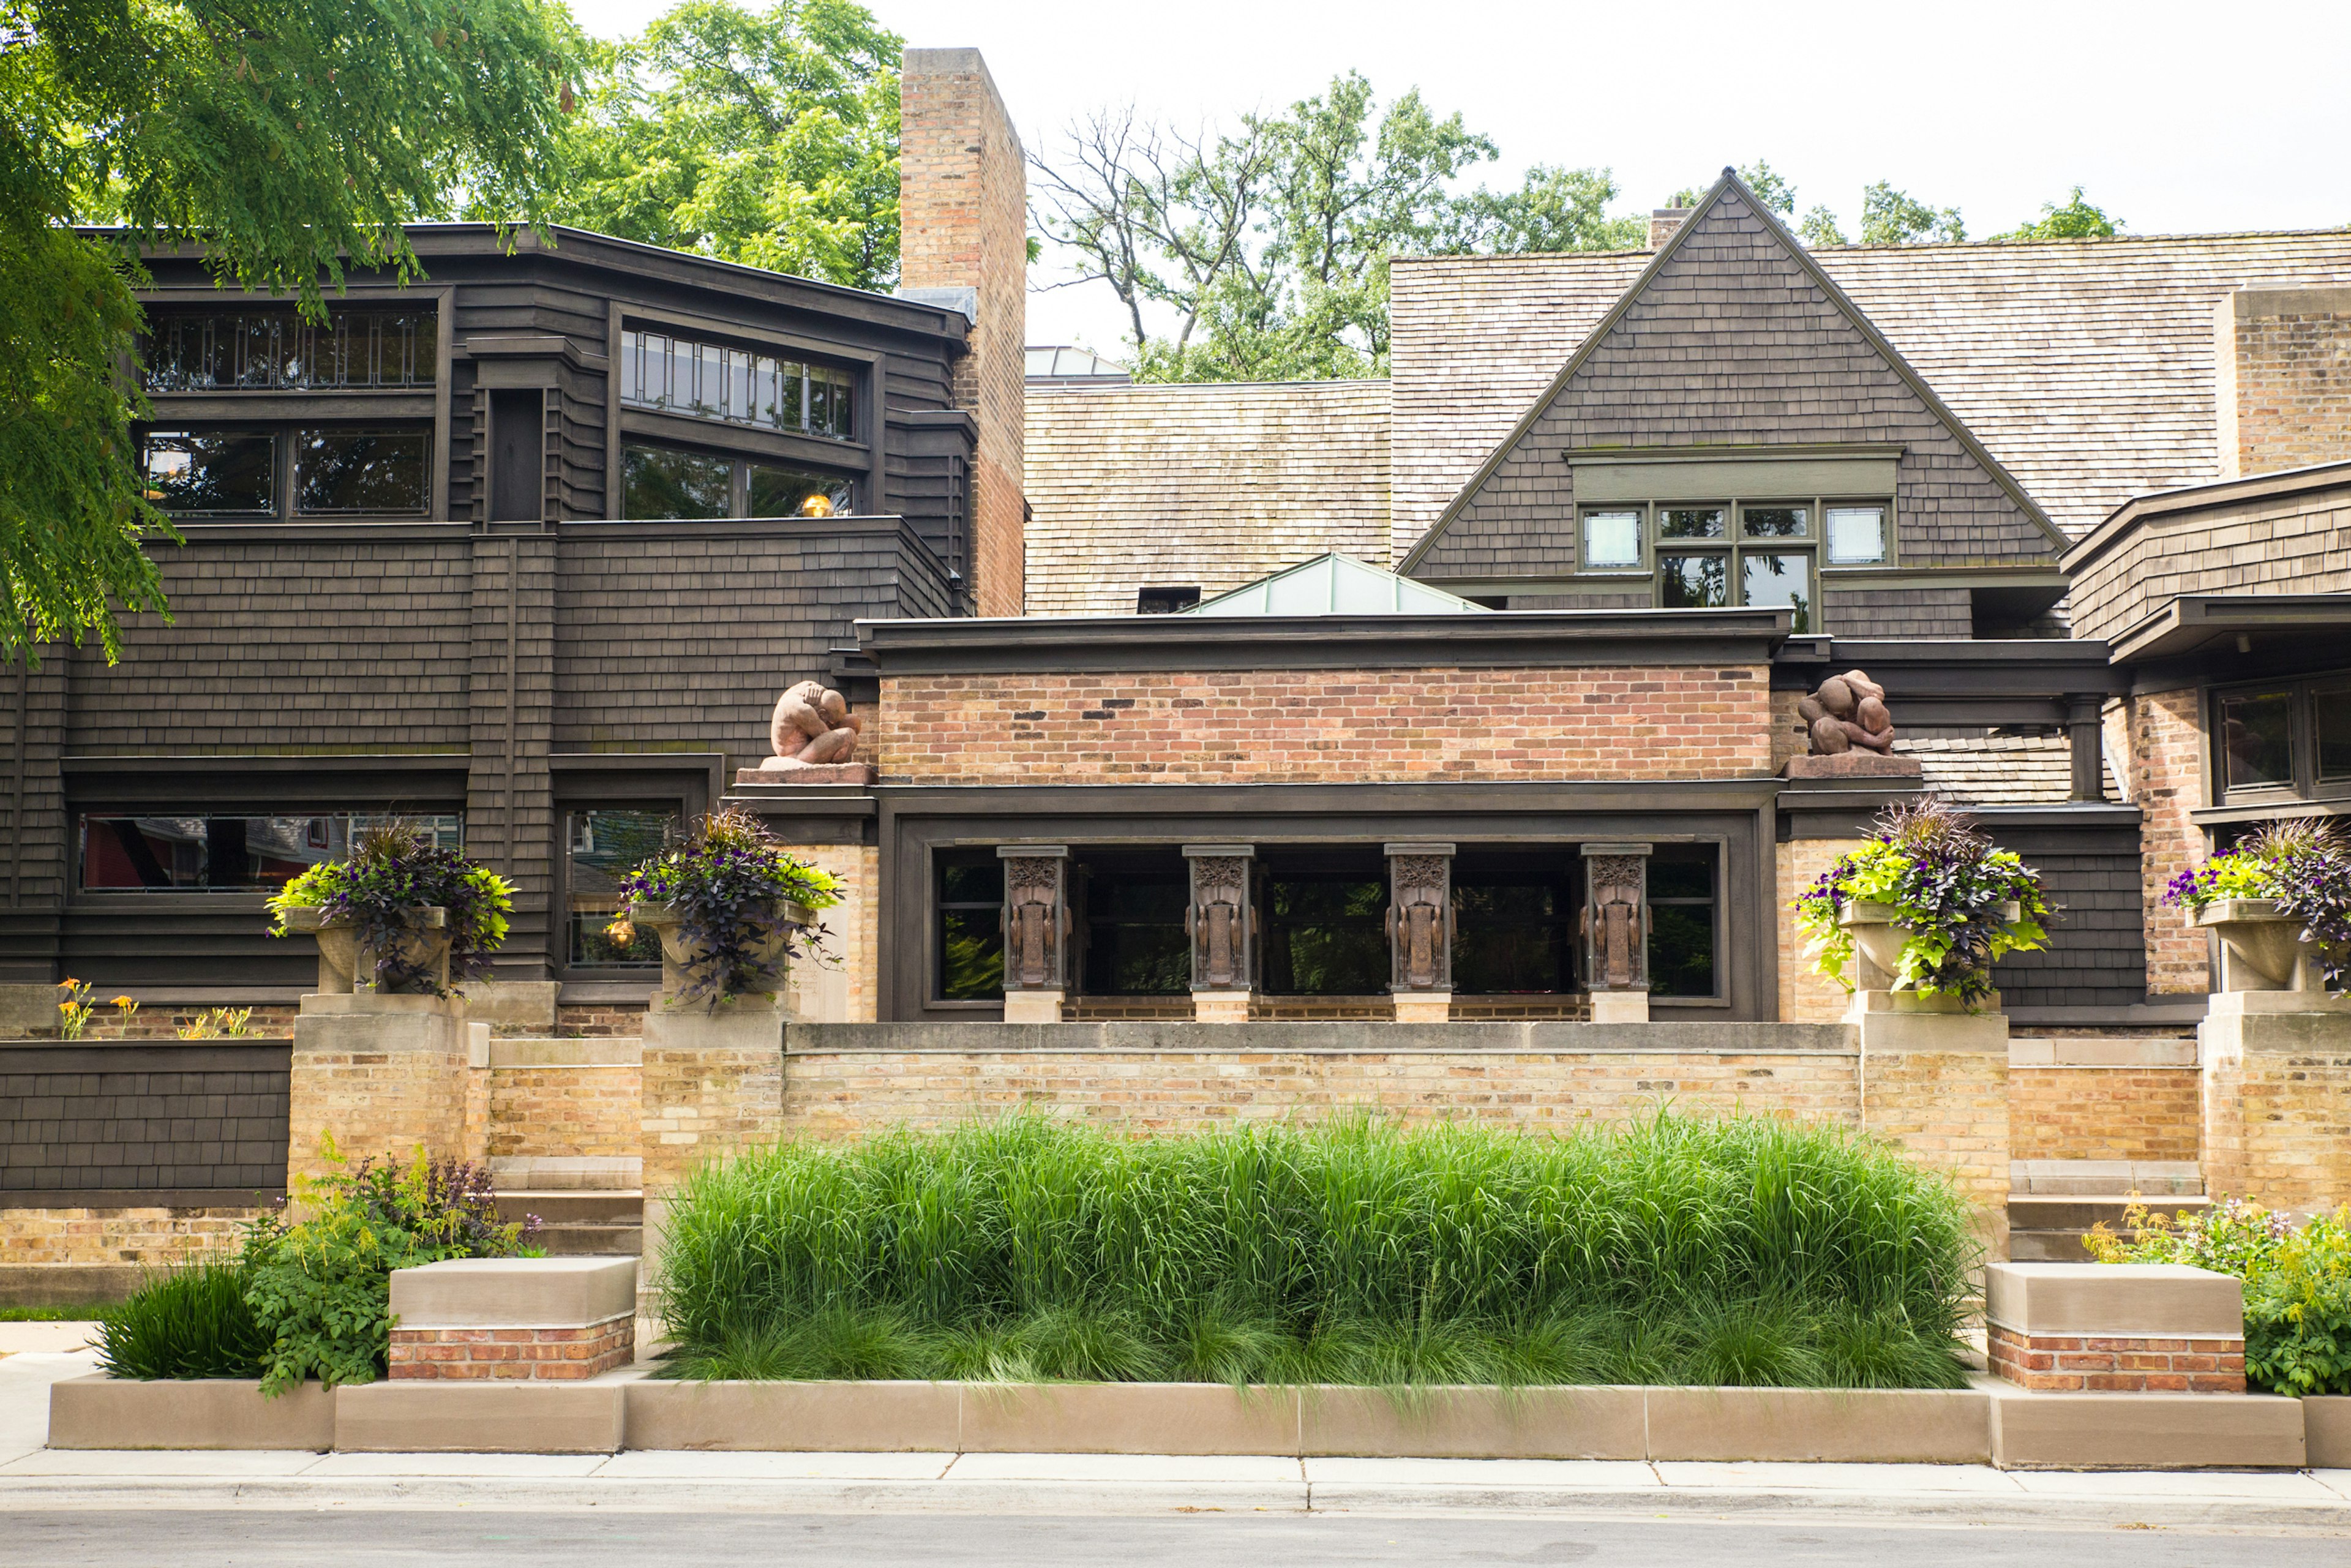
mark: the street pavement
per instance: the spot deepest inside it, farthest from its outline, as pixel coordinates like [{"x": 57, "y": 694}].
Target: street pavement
[{"x": 250, "y": 1510}]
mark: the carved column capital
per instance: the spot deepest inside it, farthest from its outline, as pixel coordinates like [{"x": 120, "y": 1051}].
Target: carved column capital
[
  {"x": 1420, "y": 917},
  {"x": 1221, "y": 920},
  {"x": 1036, "y": 915},
  {"x": 1615, "y": 921}
]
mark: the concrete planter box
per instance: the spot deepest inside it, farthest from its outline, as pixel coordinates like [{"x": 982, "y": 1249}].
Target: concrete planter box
[
  {"x": 485, "y": 1418},
  {"x": 679, "y": 956},
  {"x": 2260, "y": 949},
  {"x": 103, "y": 1412},
  {"x": 424, "y": 943},
  {"x": 2326, "y": 1431},
  {"x": 1878, "y": 939}
]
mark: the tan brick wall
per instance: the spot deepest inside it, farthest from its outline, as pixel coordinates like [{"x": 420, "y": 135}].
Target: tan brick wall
[
  {"x": 2167, "y": 760},
  {"x": 1789, "y": 736},
  {"x": 1354, "y": 726},
  {"x": 382, "y": 1083},
  {"x": 843, "y": 1094},
  {"x": 1806, "y": 996},
  {"x": 963, "y": 200},
  {"x": 2277, "y": 1110},
  {"x": 850, "y": 977},
  {"x": 2290, "y": 370},
  {"x": 709, "y": 1085},
  {"x": 1949, "y": 1109},
  {"x": 2103, "y": 1114},
  {"x": 565, "y": 1112},
  {"x": 150, "y": 1237}
]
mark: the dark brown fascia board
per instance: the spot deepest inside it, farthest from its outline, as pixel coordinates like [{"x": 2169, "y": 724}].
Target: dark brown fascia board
[
  {"x": 274, "y": 762},
  {"x": 2038, "y": 668},
  {"x": 2188, "y": 621},
  {"x": 1323, "y": 810},
  {"x": 1758, "y": 451},
  {"x": 532, "y": 346},
  {"x": 2118, "y": 523},
  {"x": 1827, "y": 286},
  {"x": 1540, "y": 639}
]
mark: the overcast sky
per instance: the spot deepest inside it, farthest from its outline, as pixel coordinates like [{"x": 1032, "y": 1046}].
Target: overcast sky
[{"x": 2175, "y": 118}]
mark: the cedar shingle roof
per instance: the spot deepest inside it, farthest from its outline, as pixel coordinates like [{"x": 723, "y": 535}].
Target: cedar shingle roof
[
  {"x": 1216, "y": 485},
  {"x": 2086, "y": 367},
  {"x": 2002, "y": 769}
]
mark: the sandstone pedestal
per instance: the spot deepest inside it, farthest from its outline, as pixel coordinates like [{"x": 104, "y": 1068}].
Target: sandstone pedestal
[
  {"x": 1220, "y": 1006},
  {"x": 1620, "y": 1007},
  {"x": 383, "y": 1073},
  {"x": 561, "y": 1320},
  {"x": 1424, "y": 1006},
  {"x": 2277, "y": 1094},
  {"x": 1039, "y": 1006},
  {"x": 856, "y": 773},
  {"x": 2116, "y": 1328},
  {"x": 1853, "y": 765},
  {"x": 1934, "y": 1080}
]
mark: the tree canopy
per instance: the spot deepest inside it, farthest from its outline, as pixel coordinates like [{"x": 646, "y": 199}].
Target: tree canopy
[
  {"x": 290, "y": 138},
  {"x": 768, "y": 138},
  {"x": 1268, "y": 246},
  {"x": 2078, "y": 219}
]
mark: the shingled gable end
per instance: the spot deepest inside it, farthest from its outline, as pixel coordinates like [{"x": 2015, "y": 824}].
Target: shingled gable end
[{"x": 1733, "y": 343}]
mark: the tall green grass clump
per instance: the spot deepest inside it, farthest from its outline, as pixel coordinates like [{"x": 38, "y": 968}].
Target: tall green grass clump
[
  {"x": 189, "y": 1322},
  {"x": 1742, "y": 1251}
]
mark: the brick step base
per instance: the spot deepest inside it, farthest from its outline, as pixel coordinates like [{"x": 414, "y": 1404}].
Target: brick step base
[{"x": 2046, "y": 1228}]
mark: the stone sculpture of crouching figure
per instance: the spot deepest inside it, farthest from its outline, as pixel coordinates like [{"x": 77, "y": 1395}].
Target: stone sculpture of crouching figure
[{"x": 812, "y": 726}]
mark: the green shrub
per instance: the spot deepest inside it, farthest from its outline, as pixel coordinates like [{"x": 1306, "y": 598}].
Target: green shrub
[
  {"x": 2297, "y": 1283},
  {"x": 192, "y": 1320},
  {"x": 1743, "y": 1252}
]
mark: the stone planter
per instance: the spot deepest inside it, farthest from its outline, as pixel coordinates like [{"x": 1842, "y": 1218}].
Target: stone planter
[
  {"x": 100, "y": 1412},
  {"x": 2260, "y": 949},
  {"x": 1878, "y": 939},
  {"x": 424, "y": 944},
  {"x": 680, "y": 957}
]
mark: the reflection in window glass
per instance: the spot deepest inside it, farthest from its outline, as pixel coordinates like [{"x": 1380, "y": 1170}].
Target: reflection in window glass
[
  {"x": 1856, "y": 536},
  {"x": 1681, "y": 924},
  {"x": 1513, "y": 924},
  {"x": 1135, "y": 944},
  {"x": 782, "y": 492},
  {"x": 215, "y": 474},
  {"x": 266, "y": 351},
  {"x": 1775, "y": 522},
  {"x": 1611, "y": 539},
  {"x": 374, "y": 471},
  {"x": 662, "y": 482},
  {"x": 677, "y": 375},
  {"x": 1776, "y": 580},
  {"x": 970, "y": 930},
  {"x": 1326, "y": 935},
  {"x": 1691, "y": 523},
  {"x": 205, "y": 852},
  {"x": 2331, "y": 710},
  {"x": 2256, "y": 732},
  {"x": 603, "y": 845},
  {"x": 1694, "y": 582}
]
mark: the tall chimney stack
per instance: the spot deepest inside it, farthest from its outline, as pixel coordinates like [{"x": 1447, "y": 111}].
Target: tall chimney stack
[
  {"x": 962, "y": 215},
  {"x": 2283, "y": 381},
  {"x": 1663, "y": 222}
]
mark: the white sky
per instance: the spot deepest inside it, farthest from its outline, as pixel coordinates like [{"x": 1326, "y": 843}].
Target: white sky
[{"x": 2175, "y": 118}]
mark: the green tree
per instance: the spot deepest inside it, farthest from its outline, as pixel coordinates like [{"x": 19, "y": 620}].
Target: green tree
[
  {"x": 1888, "y": 216},
  {"x": 1819, "y": 227},
  {"x": 2078, "y": 219},
  {"x": 768, "y": 138},
  {"x": 290, "y": 139},
  {"x": 1268, "y": 245},
  {"x": 1770, "y": 187}
]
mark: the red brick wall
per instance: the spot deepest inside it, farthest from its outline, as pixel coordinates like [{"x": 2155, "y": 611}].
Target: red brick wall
[
  {"x": 2166, "y": 759},
  {"x": 963, "y": 198},
  {"x": 1354, "y": 726}
]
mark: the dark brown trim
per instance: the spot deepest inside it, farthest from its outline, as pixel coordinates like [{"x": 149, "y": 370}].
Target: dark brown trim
[
  {"x": 2190, "y": 623},
  {"x": 36, "y": 1197}
]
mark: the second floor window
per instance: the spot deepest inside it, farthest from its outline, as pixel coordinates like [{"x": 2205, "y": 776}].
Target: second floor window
[
  {"x": 710, "y": 381},
  {"x": 1714, "y": 556},
  {"x": 2282, "y": 740},
  {"x": 278, "y": 350}
]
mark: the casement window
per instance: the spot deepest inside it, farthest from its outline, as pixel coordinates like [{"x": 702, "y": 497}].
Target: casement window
[
  {"x": 1682, "y": 921},
  {"x": 1133, "y": 905},
  {"x": 674, "y": 484},
  {"x": 603, "y": 844},
  {"x": 968, "y": 929},
  {"x": 1716, "y": 555},
  {"x": 198, "y": 852},
  {"x": 1325, "y": 926},
  {"x": 2282, "y": 740},
  {"x": 1168, "y": 601},
  {"x": 325, "y": 471},
  {"x": 671, "y": 374},
  {"x": 1514, "y": 922},
  {"x": 278, "y": 350}
]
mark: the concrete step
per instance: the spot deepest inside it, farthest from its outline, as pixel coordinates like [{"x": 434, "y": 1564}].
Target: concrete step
[
  {"x": 2048, "y": 1228},
  {"x": 592, "y": 1240},
  {"x": 2100, "y": 1179},
  {"x": 576, "y": 1224}
]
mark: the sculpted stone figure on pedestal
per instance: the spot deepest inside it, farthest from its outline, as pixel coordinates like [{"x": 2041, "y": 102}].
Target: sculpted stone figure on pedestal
[
  {"x": 1848, "y": 710},
  {"x": 812, "y": 726}
]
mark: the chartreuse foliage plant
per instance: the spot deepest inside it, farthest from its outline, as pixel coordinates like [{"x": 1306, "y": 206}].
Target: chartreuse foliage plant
[
  {"x": 1948, "y": 883},
  {"x": 394, "y": 868},
  {"x": 2297, "y": 1283},
  {"x": 1742, "y": 1251},
  {"x": 2303, "y": 864},
  {"x": 729, "y": 882}
]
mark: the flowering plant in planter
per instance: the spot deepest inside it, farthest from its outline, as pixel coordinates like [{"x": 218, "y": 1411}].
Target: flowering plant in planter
[
  {"x": 395, "y": 871},
  {"x": 2302, "y": 866},
  {"x": 1962, "y": 902},
  {"x": 739, "y": 901}
]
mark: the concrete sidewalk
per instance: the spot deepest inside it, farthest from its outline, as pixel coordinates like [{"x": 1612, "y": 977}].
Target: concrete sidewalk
[{"x": 38, "y": 1479}]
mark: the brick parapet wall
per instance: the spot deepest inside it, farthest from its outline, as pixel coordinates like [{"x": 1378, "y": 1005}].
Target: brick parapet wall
[
  {"x": 1948, "y": 1111},
  {"x": 513, "y": 1355},
  {"x": 1648, "y": 724},
  {"x": 2138, "y": 1114},
  {"x": 1806, "y": 996},
  {"x": 2090, "y": 1363},
  {"x": 2167, "y": 761},
  {"x": 2291, "y": 378},
  {"x": 565, "y": 1112},
  {"x": 147, "y": 1235},
  {"x": 382, "y": 1084}
]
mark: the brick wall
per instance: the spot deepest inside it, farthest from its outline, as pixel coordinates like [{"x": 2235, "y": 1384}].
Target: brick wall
[
  {"x": 2103, "y": 1114},
  {"x": 840, "y": 988},
  {"x": 1352, "y": 726},
  {"x": 381, "y": 1084},
  {"x": 2167, "y": 762},
  {"x": 148, "y": 1236},
  {"x": 2286, "y": 378},
  {"x": 90, "y": 1117},
  {"x": 1806, "y": 996},
  {"x": 565, "y": 1112},
  {"x": 964, "y": 223},
  {"x": 2277, "y": 1109},
  {"x": 1948, "y": 1111},
  {"x": 599, "y": 1019}
]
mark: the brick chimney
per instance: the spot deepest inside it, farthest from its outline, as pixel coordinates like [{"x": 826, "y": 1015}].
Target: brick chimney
[
  {"x": 1663, "y": 222},
  {"x": 2282, "y": 357},
  {"x": 963, "y": 214}
]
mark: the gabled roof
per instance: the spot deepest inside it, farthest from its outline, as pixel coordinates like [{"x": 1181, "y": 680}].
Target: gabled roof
[
  {"x": 1734, "y": 353},
  {"x": 1336, "y": 585},
  {"x": 2086, "y": 367}
]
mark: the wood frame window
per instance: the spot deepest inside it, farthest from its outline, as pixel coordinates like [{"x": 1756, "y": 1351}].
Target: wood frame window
[
  {"x": 661, "y": 483},
  {"x": 2281, "y": 741},
  {"x": 1737, "y": 550}
]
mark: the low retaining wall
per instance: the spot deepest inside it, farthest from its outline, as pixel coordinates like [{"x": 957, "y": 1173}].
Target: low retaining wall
[{"x": 2137, "y": 1100}]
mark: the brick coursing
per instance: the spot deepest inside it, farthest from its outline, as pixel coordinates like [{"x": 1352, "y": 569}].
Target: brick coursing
[
  {"x": 1947, "y": 1110},
  {"x": 2292, "y": 381},
  {"x": 1806, "y": 996},
  {"x": 513, "y": 1355},
  {"x": 151, "y": 1235},
  {"x": 2093, "y": 1363},
  {"x": 2166, "y": 759},
  {"x": 1350, "y": 725},
  {"x": 2140, "y": 1113},
  {"x": 2277, "y": 1111},
  {"x": 564, "y": 1111},
  {"x": 88, "y": 1118}
]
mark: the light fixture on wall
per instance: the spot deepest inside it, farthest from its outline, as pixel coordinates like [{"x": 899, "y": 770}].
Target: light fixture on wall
[
  {"x": 2244, "y": 642},
  {"x": 817, "y": 505}
]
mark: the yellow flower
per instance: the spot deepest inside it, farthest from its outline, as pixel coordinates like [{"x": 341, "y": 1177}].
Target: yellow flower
[
  {"x": 124, "y": 1002},
  {"x": 65, "y": 1007}
]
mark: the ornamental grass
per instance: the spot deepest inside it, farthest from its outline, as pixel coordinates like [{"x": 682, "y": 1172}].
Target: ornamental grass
[{"x": 1744, "y": 1251}]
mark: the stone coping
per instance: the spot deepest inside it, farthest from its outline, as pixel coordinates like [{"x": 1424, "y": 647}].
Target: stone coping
[
  {"x": 510, "y": 1051},
  {"x": 2137, "y": 1300},
  {"x": 1352, "y": 1037},
  {"x": 2123, "y": 1051},
  {"x": 515, "y": 1292}
]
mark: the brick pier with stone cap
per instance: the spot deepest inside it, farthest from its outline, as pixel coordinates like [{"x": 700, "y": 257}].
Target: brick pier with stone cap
[
  {"x": 2127, "y": 1328},
  {"x": 537, "y": 1318}
]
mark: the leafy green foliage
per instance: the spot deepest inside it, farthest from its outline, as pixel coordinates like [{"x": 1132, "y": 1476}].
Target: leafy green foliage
[
  {"x": 1946, "y": 884},
  {"x": 2297, "y": 1283},
  {"x": 192, "y": 1320},
  {"x": 394, "y": 870},
  {"x": 2078, "y": 219},
  {"x": 2303, "y": 864},
  {"x": 729, "y": 883},
  {"x": 1770, "y": 186},
  {"x": 768, "y": 138},
  {"x": 1889, "y": 216},
  {"x": 320, "y": 1287},
  {"x": 290, "y": 138},
  {"x": 1270, "y": 245},
  {"x": 1357, "y": 1252},
  {"x": 1819, "y": 228}
]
